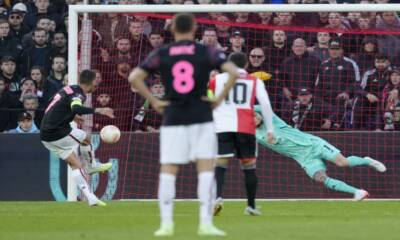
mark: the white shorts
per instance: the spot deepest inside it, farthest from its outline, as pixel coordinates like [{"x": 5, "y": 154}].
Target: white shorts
[
  {"x": 65, "y": 146},
  {"x": 182, "y": 144}
]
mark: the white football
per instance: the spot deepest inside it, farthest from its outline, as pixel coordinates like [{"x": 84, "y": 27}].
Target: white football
[{"x": 110, "y": 134}]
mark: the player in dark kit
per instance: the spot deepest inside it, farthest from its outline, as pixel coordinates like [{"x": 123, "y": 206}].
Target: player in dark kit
[
  {"x": 187, "y": 133},
  {"x": 59, "y": 137}
]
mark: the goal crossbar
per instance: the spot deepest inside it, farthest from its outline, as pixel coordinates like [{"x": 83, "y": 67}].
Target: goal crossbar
[{"x": 74, "y": 10}]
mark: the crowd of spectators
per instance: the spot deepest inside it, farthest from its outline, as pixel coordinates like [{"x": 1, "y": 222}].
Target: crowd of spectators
[{"x": 323, "y": 71}]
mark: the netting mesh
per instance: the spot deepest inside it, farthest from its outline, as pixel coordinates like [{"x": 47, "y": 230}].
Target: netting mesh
[{"x": 333, "y": 74}]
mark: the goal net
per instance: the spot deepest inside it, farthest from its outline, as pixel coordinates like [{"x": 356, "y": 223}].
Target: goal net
[{"x": 328, "y": 69}]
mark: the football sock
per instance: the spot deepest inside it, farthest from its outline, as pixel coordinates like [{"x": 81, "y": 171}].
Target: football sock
[
  {"x": 251, "y": 182},
  {"x": 205, "y": 192},
  {"x": 87, "y": 154},
  {"x": 338, "y": 185},
  {"x": 79, "y": 177},
  {"x": 220, "y": 179},
  {"x": 357, "y": 161},
  {"x": 166, "y": 195}
]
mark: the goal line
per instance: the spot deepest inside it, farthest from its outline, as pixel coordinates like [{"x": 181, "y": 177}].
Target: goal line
[{"x": 274, "y": 200}]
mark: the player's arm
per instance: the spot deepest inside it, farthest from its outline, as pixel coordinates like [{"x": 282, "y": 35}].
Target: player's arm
[
  {"x": 233, "y": 74},
  {"x": 266, "y": 109},
  {"x": 136, "y": 80},
  {"x": 139, "y": 74},
  {"x": 78, "y": 108}
]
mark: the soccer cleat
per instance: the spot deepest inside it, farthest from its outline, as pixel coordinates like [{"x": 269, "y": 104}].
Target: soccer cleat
[
  {"x": 218, "y": 206},
  {"x": 378, "y": 166},
  {"x": 165, "y": 230},
  {"x": 252, "y": 211},
  {"x": 101, "y": 167},
  {"x": 360, "y": 195},
  {"x": 210, "y": 230},
  {"x": 98, "y": 203}
]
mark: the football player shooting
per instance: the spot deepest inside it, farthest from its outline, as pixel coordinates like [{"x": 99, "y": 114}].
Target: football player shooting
[
  {"x": 236, "y": 129},
  {"x": 310, "y": 151},
  {"x": 57, "y": 135},
  {"x": 187, "y": 133}
]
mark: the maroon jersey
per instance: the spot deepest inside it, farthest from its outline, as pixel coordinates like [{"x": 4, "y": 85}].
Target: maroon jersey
[{"x": 185, "y": 68}]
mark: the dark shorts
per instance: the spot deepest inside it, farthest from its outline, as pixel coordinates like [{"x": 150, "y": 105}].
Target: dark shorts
[{"x": 239, "y": 145}]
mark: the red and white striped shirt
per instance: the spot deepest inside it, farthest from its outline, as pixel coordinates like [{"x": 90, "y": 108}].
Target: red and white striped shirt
[{"x": 236, "y": 112}]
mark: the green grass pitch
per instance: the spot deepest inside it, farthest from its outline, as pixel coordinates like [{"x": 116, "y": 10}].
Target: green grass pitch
[{"x": 306, "y": 220}]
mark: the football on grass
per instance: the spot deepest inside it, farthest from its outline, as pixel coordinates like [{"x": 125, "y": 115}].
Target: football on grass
[{"x": 110, "y": 134}]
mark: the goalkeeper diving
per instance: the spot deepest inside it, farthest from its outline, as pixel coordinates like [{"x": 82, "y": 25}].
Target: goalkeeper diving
[{"x": 310, "y": 151}]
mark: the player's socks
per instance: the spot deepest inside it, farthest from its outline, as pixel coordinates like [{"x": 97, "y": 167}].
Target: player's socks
[
  {"x": 340, "y": 186},
  {"x": 251, "y": 182},
  {"x": 92, "y": 166},
  {"x": 87, "y": 154},
  {"x": 78, "y": 176},
  {"x": 220, "y": 179},
  {"x": 205, "y": 192},
  {"x": 358, "y": 161},
  {"x": 166, "y": 195}
]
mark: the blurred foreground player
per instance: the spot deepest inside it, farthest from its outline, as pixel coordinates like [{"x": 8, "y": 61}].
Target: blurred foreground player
[
  {"x": 310, "y": 151},
  {"x": 236, "y": 129},
  {"x": 57, "y": 135},
  {"x": 187, "y": 132}
]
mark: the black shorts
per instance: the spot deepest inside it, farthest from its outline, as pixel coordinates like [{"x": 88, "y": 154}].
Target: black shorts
[{"x": 239, "y": 145}]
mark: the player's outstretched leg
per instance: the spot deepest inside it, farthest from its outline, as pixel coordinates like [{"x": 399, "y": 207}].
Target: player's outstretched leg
[
  {"x": 353, "y": 161},
  {"x": 251, "y": 182},
  {"x": 87, "y": 154},
  {"x": 220, "y": 169},
  {"x": 166, "y": 195},
  {"x": 340, "y": 186},
  {"x": 206, "y": 194},
  {"x": 78, "y": 176}
]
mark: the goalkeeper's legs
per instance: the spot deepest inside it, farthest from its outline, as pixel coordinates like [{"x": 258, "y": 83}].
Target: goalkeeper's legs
[
  {"x": 79, "y": 177},
  {"x": 87, "y": 155},
  {"x": 353, "y": 161},
  {"x": 166, "y": 195},
  {"x": 337, "y": 185}
]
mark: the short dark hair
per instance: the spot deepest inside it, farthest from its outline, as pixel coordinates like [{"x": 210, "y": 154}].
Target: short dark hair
[
  {"x": 209, "y": 29},
  {"x": 87, "y": 76},
  {"x": 3, "y": 20},
  {"x": 239, "y": 59},
  {"x": 60, "y": 32},
  {"x": 184, "y": 22},
  {"x": 42, "y": 17},
  {"x": 381, "y": 56},
  {"x": 7, "y": 58},
  {"x": 38, "y": 29},
  {"x": 58, "y": 56},
  {"x": 156, "y": 32}
]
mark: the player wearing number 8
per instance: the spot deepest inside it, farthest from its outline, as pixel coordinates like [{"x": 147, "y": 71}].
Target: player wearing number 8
[
  {"x": 236, "y": 128},
  {"x": 187, "y": 133}
]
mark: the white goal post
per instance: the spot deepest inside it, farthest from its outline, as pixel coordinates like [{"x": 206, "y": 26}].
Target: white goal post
[{"x": 75, "y": 10}]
